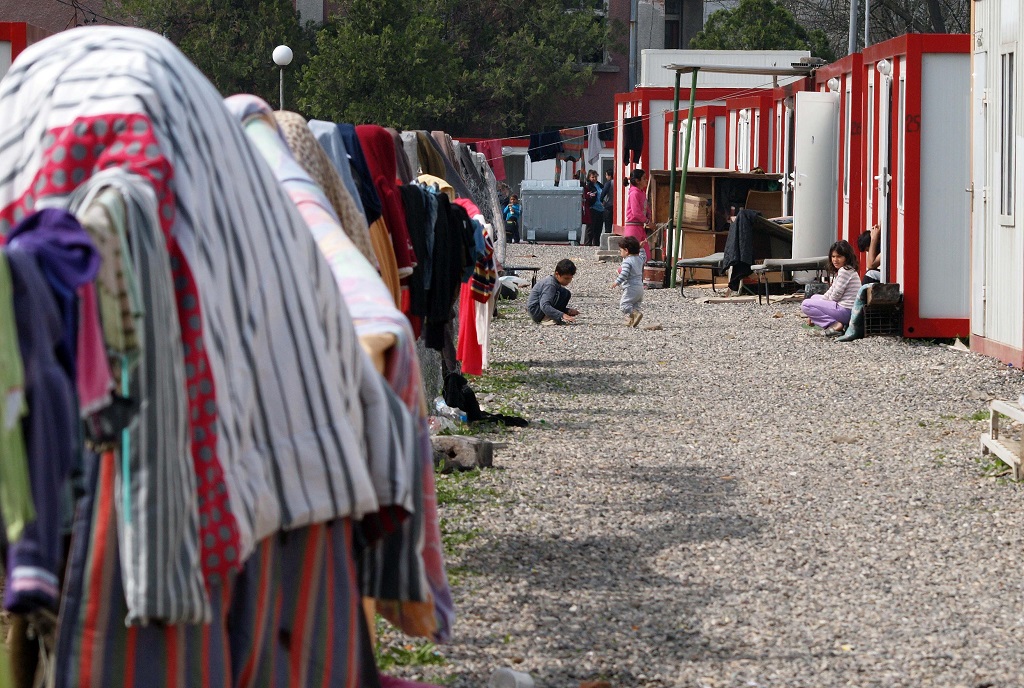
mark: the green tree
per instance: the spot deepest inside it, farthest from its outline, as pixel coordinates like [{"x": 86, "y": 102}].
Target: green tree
[
  {"x": 461, "y": 65},
  {"x": 526, "y": 55},
  {"x": 231, "y": 41},
  {"x": 760, "y": 25},
  {"x": 382, "y": 61}
]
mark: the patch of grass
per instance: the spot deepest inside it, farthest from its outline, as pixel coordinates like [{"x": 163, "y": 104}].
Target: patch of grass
[
  {"x": 464, "y": 429},
  {"x": 409, "y": 654},
  {"x": 454, "y": 538},
  {"x": 458, "y": 488},
  {"x": 984, "y": 414},
  {"x": 994, "y": 467},
  {"x": 510, "y": 365}
]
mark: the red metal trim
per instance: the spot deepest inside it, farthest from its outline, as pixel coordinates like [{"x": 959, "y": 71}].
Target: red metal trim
[{"x": 16, "y": 33}]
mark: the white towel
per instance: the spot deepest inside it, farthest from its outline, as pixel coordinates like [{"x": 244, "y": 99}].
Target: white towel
[{"x": 593, "y": 145}]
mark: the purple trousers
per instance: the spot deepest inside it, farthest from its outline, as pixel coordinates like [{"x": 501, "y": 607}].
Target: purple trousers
[{"x": 824, "y": 312}]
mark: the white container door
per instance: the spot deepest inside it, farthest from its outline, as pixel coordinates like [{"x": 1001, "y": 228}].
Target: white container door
[
  {"x": 817, "y": 164},
  {"x": 979, "y": 187},
  {"x": 882, "y": 177},
  {"x": 786, "y": 167}
]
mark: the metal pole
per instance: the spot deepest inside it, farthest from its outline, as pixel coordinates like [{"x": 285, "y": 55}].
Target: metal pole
[
  {"x": 678, "y": 244},
  {"x": 867, "y": 23},
  {"x": 281, "y": 101},
  {"x": 853, "y": 28},
  {"x": 633, "y": 11},
  {"x": 672, "y": 172}
]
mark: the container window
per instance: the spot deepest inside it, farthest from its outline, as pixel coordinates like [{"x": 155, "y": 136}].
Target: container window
[
  {"x": 1006, "y": 137},
  {"x": 848, "y": 108},
  {"x": 902, "y": 151},
  {"x": 871, "y": 145}
]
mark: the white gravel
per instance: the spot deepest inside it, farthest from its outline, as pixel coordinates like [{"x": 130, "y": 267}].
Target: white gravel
[{"x": 734, "y": 500}]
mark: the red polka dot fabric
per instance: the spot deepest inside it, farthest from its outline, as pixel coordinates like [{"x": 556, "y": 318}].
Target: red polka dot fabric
[{"x": 71, "y": 155}]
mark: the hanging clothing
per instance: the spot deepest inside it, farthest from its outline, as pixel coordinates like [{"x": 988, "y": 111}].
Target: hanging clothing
[
  {"x": 411, "y": 148},
  {"x": 390, "y": 433},
  {"x": 289, "y": 618},
  {"x": 365, "y": 296},
  {"x": 264, "y": 327},
  {"x": 361, "y": 173},
  {"x": 15, "y": 492},
  {"x": 431, "y": 161},
  {"x": 406, "y": 173},
  {"x": 328, "y": 135},
  {"x": 442, "y": 184},
  {"x": 315, "y": 162},
  {"x": 593, "y": 145},
  {"x": 418, "y": 618},
  {"x": 632, "y": 140},
  {"x": 68, "y": 259},
  {"x": 491, "y": 150},
  {"x": 442, "y": 145},
  {"x": 544, "y": 146},
  {"x": 159, "y": 522},
  {"x": 484, "y": 192},
  {"x": 573, "y": 143},
  {"x": 379, "y": 149},
  {"x": 34, "y": 562},
  {"x": 416, "y": 201}
]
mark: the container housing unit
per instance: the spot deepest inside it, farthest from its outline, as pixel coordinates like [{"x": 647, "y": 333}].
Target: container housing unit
[
  {"x": 997, "y": 250},
  {"x": 917, "y": 169}
]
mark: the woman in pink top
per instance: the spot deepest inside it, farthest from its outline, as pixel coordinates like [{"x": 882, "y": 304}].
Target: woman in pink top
[{"x": 638, "y": 211}]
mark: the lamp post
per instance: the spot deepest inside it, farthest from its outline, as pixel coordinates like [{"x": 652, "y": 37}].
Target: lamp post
[{"x": 282, "y": 58}]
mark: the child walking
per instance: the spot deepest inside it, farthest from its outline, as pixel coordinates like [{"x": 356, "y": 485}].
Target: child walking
[{"x": 631, "y": 275}]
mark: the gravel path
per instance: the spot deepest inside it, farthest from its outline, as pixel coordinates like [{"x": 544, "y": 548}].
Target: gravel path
[{"x": 733, "y": 500}]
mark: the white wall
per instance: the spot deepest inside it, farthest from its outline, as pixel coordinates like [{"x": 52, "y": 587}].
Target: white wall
[{"x": 5, "y": 57}]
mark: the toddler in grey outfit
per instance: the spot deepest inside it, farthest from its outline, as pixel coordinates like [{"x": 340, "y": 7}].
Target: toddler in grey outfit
[{"x": 631, "y": 279}]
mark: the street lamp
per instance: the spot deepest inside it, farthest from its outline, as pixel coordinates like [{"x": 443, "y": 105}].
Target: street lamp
[{"x": 282, "y": 58}]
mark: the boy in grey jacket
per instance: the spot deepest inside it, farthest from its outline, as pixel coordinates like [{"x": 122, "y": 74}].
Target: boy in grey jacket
[
  {"x": 549, "y": 299},
  {"x": 631, "y": 276}
]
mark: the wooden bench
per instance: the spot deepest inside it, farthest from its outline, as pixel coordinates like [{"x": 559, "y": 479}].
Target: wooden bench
[{"x": 1006, "y": 449}]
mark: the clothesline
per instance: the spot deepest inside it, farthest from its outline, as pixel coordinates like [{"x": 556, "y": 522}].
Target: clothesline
[{"x": 739, "y": 93}]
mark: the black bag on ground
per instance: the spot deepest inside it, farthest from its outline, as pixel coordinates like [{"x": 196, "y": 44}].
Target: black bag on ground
[{"x": 458, "y": 394}]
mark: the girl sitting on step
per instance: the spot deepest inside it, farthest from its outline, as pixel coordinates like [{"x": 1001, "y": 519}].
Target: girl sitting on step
[{"x": 831, "y": 310}]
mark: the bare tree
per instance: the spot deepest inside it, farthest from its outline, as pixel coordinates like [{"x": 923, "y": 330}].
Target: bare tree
[{"x": 889, "y": 18}]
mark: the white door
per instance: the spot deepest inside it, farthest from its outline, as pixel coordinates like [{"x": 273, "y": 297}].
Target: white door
[
  {"x": 882, "y": 177},
  {"x": 817, "y": 163},
  {"x": 979, "y": 187},
  {"x": 787, "y": 160}
]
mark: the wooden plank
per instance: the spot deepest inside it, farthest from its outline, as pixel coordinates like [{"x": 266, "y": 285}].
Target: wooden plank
[
  {"x": 1008, "y": 409},
  {"x": 1007, "y": 450}
]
